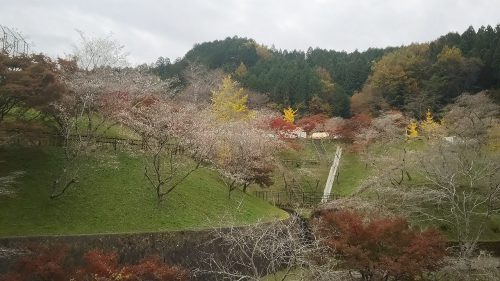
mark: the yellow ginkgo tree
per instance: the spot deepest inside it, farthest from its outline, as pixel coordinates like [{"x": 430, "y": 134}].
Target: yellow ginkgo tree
[
  {"x": 289, "y": 115},
  {"x": 229, "y": 102},
  {"x": 411, "y": 130},
  {"x": 428, "y": 125}
]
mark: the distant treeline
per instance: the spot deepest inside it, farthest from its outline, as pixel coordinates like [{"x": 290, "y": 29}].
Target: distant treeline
[{"x": 409, "y": 78}]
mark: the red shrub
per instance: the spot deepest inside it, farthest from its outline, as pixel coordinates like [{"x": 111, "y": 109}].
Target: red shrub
[
  {"x": 282, "y": 129},
  {"x": 105, "y": 265},
  {"x": 154, "y": 269},
  {"x": 280, "y": 125},
  {"x": 51, "y": 264},
  {"x": 100, "y": 264},
  {"x": 43, "y": 263},
  {"x": 354, "y": 125},
  {"x": 382, "y": 246},
  {"x": 309, "y": 123}
]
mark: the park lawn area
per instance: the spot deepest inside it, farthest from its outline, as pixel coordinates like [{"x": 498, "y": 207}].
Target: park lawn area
[
  {"x": 311, "y": 177},
  {"x": 351, "y": 173},
  {"x": 112, "y": 196}
]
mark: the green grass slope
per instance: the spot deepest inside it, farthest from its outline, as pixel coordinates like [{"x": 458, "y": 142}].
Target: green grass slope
[
  {"x": 312, "y": 176},
  {"x": 113, "y": 196}
]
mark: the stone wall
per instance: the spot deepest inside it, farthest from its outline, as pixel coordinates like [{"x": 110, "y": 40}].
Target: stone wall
[{"x": 184, "y": 248}]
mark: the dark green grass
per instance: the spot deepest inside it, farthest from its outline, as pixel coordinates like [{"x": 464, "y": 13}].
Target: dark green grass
[{"x": 112, "y": 196}]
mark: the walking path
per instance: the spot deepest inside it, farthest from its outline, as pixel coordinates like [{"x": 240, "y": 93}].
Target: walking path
[{"x": 331, "y": 175}]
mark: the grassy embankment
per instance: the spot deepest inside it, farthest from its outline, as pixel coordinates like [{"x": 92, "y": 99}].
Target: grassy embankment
[
  {"x": 112, "y": 196},
  {"x": 312, "y": 176}
]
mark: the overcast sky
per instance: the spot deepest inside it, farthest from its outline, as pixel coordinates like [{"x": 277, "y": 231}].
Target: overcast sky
[{"x": 169, "y": 28}]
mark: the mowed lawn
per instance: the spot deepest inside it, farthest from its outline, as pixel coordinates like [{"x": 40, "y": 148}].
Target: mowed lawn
[
  {"x": 112, "y": 196},
  {"x": 311, "y": 177}
]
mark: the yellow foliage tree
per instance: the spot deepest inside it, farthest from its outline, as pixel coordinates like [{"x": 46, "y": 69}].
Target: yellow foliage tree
[
  {"x": 241, "y": 71},
  {"x": 230, "y": 102},
  {"x": 429, "y": 126},
  {"x": 262, "y": 52},
  {"x": 450, "y": 54},
  {"x": 327, "y": 85},
  {"x": 411, "y": 130},
  {"x": 289, "y": 115}
]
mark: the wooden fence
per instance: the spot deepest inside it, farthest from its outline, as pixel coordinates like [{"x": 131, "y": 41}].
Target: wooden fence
[
  {"x": 31, "y": 138},
  {"x": 299, "y": 162},
  {"x": 293, "y": 199}
]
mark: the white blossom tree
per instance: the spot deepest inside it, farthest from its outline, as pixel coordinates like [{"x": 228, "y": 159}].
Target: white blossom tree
[
  {"x": 95, "y": 52},
  {"x": 92, "y": 105},
  {"x": 200, "y": 83},
  {"x": 244, "y": 154},
  {"x": 178, "y": 138}
]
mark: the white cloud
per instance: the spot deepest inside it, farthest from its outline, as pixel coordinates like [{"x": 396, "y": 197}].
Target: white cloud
[{"x": 150, "y": 28}]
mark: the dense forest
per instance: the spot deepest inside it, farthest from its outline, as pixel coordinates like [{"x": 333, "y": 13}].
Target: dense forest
[{"x": 410, "y": 78}]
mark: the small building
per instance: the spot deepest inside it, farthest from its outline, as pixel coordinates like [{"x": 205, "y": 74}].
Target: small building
[{"x": 320, "y": 135}]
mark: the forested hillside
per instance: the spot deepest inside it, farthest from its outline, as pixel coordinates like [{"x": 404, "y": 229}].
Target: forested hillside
[
  {"x": 410, "y": 78},
  {"x": 238, "y": 148}
]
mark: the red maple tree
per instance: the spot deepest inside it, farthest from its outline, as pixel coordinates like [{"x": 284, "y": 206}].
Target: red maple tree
[
  {"x": 279, "y": 124},
  {"x": 309, "y": 123},
  {"x": 353, "y": 126},
  {"x": 381, "y": 248}
]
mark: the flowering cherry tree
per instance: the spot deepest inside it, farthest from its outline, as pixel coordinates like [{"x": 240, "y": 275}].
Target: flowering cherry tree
[
  {"x": 244, "y": 154},
  {"x": 177, "y": 138}
]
